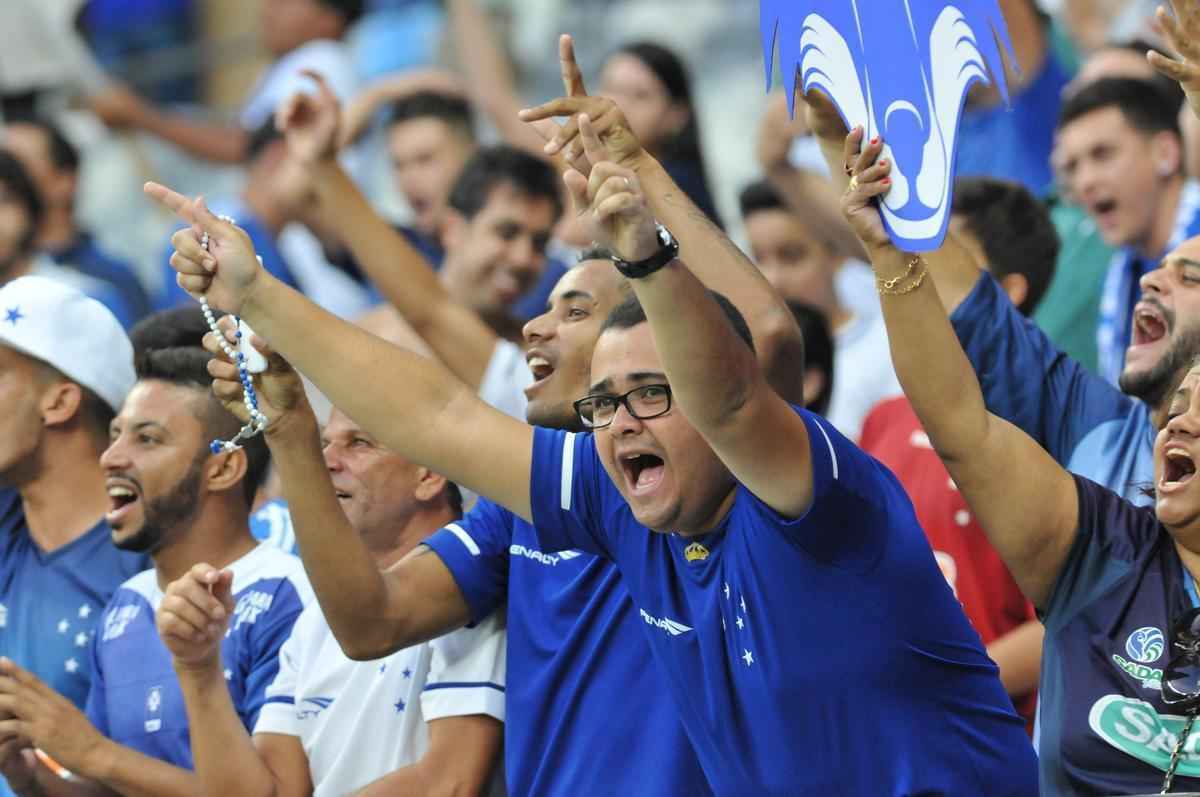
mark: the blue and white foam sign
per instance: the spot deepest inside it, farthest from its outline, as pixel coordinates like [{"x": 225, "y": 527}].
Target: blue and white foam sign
[{"x": 901, "y": 69}]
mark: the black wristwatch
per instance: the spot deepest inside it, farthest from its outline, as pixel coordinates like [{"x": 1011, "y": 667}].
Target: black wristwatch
[{"x": 668, "y": 251}]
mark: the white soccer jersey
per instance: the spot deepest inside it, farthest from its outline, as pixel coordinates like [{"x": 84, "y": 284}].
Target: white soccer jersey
[
  {"x": 360, "y": 720},
  {"x": 505, "y": 379}
]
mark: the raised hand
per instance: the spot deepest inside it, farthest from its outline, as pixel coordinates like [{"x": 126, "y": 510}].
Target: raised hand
[
  {"x": 610, "y": 125},
  {"x": 1181, "y": 30},
  {"x": 310, "y": 122},
  {"x": 193, "y": 616},
  {"x": 280, "y": 391},
  {"x": 35, "y": 712},
  {"x": 868, "y": 180},
  {"x": 822, "y": 116},
  {"x": 610, "y": 199},
  {"x": 228, "y": 271}
]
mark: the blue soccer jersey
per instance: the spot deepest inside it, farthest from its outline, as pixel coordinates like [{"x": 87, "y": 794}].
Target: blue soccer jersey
[
  {"x": 135, "y": 698},
  {"x": 50, "y": 602},
  {"x": 1087, "y": 425},
  {"x": 817, "y": 656},
  {"x": 1104, "y": 727},
  {"x": 587, "y": 712}
]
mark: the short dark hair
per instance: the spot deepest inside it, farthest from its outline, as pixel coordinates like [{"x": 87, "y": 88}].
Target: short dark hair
[
  {"x": 1145, "y": 106},
  {"x": 17, "y": 182},
  {"x": 350, "y": 10},
  {"x": 262, "y": 137},
  {"x": 818, "y": 350},
  {"x": 760, "y": 195},
  {"x": 453, "y": 110},
  {"x": 629, "y": 314},
  {"x": 63, "y": 154},
  {"x": 1014, "y": 229},
  {"x": 167, "y": 347},
  {"x": 492, "y": 167},
  {"x": 454, "y": 499}
]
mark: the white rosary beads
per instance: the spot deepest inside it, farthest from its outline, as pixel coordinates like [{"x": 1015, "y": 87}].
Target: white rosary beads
[{"x": 258, "y": 421}]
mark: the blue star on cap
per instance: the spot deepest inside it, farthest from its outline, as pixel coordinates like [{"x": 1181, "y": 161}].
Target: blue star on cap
[{"x": 13, "y": 315}]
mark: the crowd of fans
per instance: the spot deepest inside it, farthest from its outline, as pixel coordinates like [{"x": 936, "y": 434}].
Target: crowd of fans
[{"x": 588, "y": 469}]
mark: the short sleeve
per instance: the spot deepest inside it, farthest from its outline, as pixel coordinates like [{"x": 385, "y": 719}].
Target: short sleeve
[
  {"x": 467, "y": 672},
  {"x": 570, "y": 493},
  {"x": 269, "y": 636},
  {"x": 1112, "y": 533},
  {"x": 475, "y": 549},
  {"x": 278, "y": 712},
  {"x": 96, "y": 707},
  {"x": 1026, "y": 380},
  {"x": 853, "y": 498}
]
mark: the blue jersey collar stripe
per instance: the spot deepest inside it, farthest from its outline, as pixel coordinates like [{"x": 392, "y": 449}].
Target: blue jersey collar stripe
[
  {"x": 568, "y": 470},
  {"x": 280, "y": 699},
  {"x": 463, "y": 537}
]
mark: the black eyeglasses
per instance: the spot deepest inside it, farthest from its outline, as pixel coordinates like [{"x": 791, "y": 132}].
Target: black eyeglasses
[
  {"x": 1181, "y": 682},
  {"x": 647, "y": 401}
]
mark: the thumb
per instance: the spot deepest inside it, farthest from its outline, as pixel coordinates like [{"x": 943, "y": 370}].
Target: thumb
[
  {"x": 577, "y": 187},
  {"x": 209, "y": 222}
]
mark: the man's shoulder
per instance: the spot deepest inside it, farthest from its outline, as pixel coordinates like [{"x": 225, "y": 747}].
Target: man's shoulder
[{"x": 266, "y": 568}]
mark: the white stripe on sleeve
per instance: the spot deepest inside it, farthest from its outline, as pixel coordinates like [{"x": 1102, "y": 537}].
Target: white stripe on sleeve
[
  {"x": 568, "y": 470},
  {"x": 832, "y": 454},
  {"x": 463, "y": 537}
]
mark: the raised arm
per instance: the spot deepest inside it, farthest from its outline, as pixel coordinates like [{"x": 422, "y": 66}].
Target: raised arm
[
  {"x": 459, "y": 337},
  {"x": 411, "y": 404},
  {"x": 371, "y": 614},
  {"x": 715, "y": 260},
  {"x": 1024, "y": 500},
  {"x": 119, "y": 107},
  {"x": 714, "y": 376}
]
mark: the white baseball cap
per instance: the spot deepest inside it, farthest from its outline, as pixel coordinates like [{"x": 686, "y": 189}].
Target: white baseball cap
[{"x": 60, "y": 326}]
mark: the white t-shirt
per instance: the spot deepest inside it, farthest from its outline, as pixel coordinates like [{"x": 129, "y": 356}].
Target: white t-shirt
[
  {"x": 862, "y": 373},
  {"x": 330, "y": 59},
  {"x": 854, "y": 284},
  {"x": 360, "y": 720},
  {"x": 505, "y": 379}
]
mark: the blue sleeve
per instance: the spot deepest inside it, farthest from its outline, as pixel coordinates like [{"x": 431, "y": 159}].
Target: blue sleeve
[
  {"x": 96, "y": 707},
  {"x": 262, "y": 664},
  {"x": 847, "y": 484},
  {"x": 475, "y": 549},
  {"x": 571, "y": 494},
  {"x": 1112, "y": 532},
  {"x": 1026, "y": 380}
]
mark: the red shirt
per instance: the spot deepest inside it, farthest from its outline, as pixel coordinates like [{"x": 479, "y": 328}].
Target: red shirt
[{"x": 989, "y": 595}]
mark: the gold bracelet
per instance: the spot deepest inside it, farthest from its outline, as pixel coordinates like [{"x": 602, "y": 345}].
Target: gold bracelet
[{"x": 888, "y": 287}]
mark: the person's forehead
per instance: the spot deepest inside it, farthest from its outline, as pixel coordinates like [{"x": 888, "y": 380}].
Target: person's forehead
[
  {"x": 164, "y": 402},
  {"x": 1187, "y": 253},
  {"x": 1101, "y": 124},
  {"x": 620, "y": 352},
  {"x": 591, "y": 279},
  {"x": 508, "y": 200}
]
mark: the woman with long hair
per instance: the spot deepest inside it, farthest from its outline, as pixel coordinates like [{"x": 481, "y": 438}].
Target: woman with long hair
[{"x": 651, "y": 86}]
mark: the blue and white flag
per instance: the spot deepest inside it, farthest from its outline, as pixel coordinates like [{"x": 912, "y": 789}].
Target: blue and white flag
[{"x": 900, "y": 69}]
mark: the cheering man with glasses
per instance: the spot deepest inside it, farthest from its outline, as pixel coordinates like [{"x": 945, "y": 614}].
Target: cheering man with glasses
[{"x": 783, "y": 581}]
